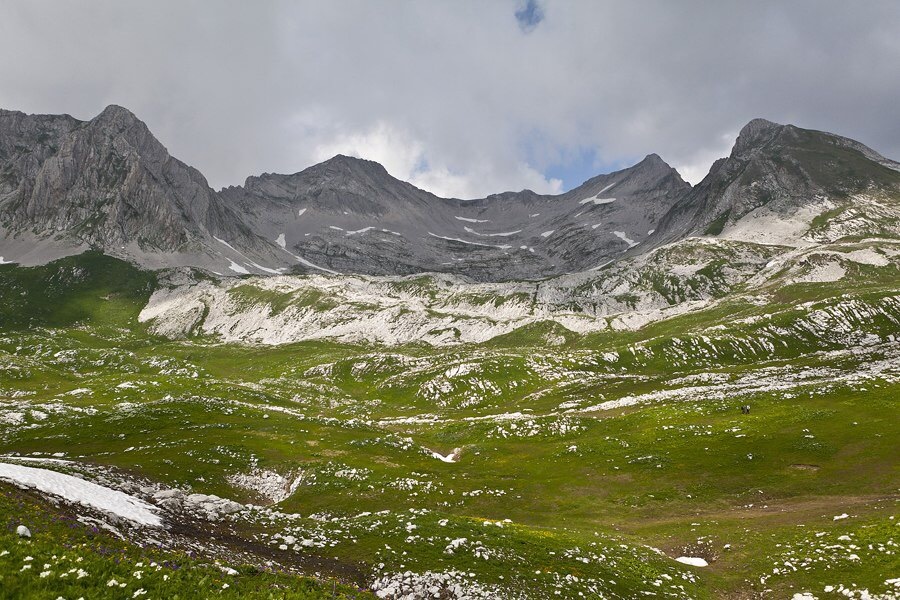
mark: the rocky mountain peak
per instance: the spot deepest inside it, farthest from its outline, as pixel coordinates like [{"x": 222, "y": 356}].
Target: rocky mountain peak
[
  {"x": 779, "y": 183},
  {"x": 117, "y": 116},
  {"x": 652, "y": 171},
  {"x": 654, "y": 160},
  {"x": 755, "y": 133},
  {"x": 338, "y": 174},
  {"x": 352, "y": 162},
  {"x": 654, "y": 166},
  {"x": 119, "y": 132},
  {"x": 107, "y": 183},
  {"x": 351, "y": 167}
]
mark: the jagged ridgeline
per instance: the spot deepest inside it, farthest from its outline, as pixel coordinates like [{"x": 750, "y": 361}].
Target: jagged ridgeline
[{"x": 108, "y": 184}]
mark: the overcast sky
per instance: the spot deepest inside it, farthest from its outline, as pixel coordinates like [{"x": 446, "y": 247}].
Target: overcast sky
[{"x": 460, "y": 97}]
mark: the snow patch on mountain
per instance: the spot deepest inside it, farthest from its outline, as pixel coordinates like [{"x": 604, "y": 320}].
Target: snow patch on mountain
[
  {"x": 624, "y": 237},
  {"x": 508, "y": 233},
  {"x": 358, "y": 231},
  {"x": 448, "y": 458},
  {"x": 305, "y": 262},
  {"x": 461, "y": 241},
  {"x": 598, "y": 201},
  {"x": 268, "y": 270},
  {"x": 693, "y": 561},
  {"x": 237, "y": 268}
]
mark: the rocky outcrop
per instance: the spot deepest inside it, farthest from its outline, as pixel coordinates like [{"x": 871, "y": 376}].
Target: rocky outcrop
[{"x": 109, "y": 184}]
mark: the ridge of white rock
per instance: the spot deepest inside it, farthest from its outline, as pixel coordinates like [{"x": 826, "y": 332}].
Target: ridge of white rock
[{"x": 445, "y": 310}]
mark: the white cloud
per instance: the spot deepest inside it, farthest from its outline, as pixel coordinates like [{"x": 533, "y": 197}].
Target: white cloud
[
  {"x": 478, "y": 183},
  {"x": 407, "y": 158},
  {"x": 382, "y": 143},
  {"x": 476, "y": 104},
  {"x": 696, "y": 165}
]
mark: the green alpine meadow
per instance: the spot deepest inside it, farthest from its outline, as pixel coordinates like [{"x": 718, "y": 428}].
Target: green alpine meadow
[{"x": 540, "y": 463}]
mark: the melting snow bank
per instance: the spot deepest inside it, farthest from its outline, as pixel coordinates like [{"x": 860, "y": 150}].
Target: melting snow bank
[
  {"x": 692, "y": 560},
  {"x": 413, "y": 586},
  {"x": 83, "y": 492},
  {"x": 450, "y": 458},
  {"x": 461, "y": 241},
  {"x": 237, "y": 268},
  {"x": 624, "y": 237}
]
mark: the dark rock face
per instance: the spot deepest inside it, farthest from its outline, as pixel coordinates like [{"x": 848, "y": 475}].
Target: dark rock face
[
  {"x": 780, "y": 169},
  {"x": 350, "y": 215},
  {"x": 107, "y": 183}
]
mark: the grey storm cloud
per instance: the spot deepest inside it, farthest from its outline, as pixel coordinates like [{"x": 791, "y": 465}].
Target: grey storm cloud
[{"x": 461, "y": 97}]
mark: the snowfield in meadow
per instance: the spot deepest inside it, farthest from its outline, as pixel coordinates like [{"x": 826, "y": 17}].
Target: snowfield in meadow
[{"x": 83, "y": 492}]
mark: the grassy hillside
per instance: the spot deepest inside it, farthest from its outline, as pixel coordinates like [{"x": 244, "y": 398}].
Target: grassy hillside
[
  {"x": 585, "y": 467},
  {"x": 90, "y": 288}
]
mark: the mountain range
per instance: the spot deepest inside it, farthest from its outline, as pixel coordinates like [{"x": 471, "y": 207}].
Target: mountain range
[{"x": 108, "y": 184}]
